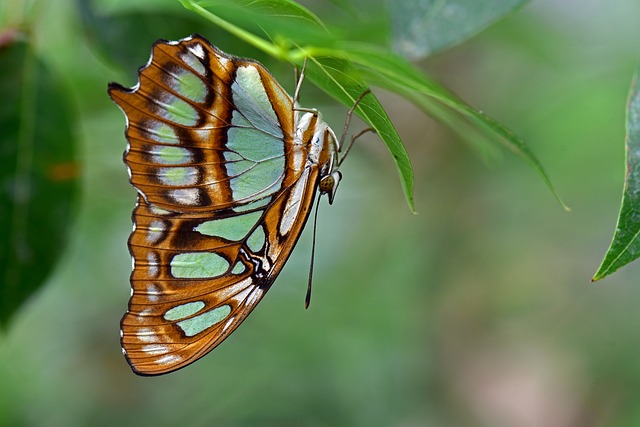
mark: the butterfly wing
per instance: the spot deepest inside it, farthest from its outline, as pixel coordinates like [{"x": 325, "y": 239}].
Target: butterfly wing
[{"x": 223, "y": 196}]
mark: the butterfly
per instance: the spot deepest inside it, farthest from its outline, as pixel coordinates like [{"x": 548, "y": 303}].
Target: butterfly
[{"x": 227, "y": 167}]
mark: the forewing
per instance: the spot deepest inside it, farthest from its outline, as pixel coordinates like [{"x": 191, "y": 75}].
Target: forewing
[{"x": 205, "y": 130}]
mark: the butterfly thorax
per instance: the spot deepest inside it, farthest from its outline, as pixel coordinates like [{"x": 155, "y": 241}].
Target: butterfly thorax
[{"x": 314, "y": 133}]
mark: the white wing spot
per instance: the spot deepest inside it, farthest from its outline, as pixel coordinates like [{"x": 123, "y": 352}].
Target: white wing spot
[
  {"x": 298, "y": 159},
  {"x": 144, "y": 313},
  {"x": 153, "y": 293},
  {"x": 147, "y": 335},
  {"x": 152, "y": 264},
  {"x": 241, "y": 296},
  {"x": 293, "y": 204},
  {"x": 197, "y": 50},
  {"x": 185, "y": 196},
  {"x": 155, "y": 349},
  {"x": 225, "y": 293},
  {"x": 158, "y": 211},
  {"x": 169, "y": 358},
  {"x": 155, "y": 231},
  {"x": 255, "y": 296},
  {"x": 226, "y": 325}
]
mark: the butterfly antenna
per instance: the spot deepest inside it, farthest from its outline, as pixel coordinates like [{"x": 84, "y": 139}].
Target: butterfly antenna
[
  {"x": 347, "y": 123},
  {"x": 307, "y": 299}
]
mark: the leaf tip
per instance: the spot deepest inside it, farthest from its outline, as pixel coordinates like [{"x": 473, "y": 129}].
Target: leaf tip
[{"x": 605, "y": 269}]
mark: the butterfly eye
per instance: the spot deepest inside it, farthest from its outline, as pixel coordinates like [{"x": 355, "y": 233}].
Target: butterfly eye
[{"x": 329, "y": 184}]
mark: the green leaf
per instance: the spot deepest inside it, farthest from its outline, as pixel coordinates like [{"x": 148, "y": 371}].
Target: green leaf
[
  {"x": 338, "y": 78},
  {"x": 38, "y": 173},
  {"x": 375, "y": 65},
  {"x": 285, "y": 22},
  {"x": 625, "y": 246},
  {"x": 394, "y": 73},
  {"x": 422, "y": 27}
]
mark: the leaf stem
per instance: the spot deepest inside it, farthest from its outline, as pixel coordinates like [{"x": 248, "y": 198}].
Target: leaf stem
[{"x": 248, "y": 37}]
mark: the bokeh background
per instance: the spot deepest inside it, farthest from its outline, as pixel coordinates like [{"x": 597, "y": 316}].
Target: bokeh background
[{"x": 478, "y": 311}]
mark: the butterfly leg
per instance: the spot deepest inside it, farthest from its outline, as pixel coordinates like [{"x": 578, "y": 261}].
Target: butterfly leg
[
  {"x": 347, "y": 123},
  {"x": 299, "y": 80},
  {"x": 353, "y": 139}
]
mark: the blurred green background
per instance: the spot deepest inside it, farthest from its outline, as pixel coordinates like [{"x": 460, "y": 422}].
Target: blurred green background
[{"x": 479, "y": 311}]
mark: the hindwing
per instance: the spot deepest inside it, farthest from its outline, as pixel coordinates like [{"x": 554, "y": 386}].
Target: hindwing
[{"x": 223, "y": 195}]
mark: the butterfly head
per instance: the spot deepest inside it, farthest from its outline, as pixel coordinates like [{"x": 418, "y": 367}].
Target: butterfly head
[
  {"x": 330, "y": 175},
  {"x": 329, "y": 184}
]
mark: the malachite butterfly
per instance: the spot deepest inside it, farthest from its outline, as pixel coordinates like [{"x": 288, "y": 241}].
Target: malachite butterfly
[{"x": 227, "y": 167}]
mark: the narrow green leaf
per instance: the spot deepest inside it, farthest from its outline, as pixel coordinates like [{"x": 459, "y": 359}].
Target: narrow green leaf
[
  {"x": 38, "y": 174},
  {"x": 375, "y": 66},
  {"x": 625, "y": 246},
  {"x": 422, "y": 27},
  {"x": 285, "y": 22},
  {"x": 393, "y": 72},
  {"x": 338, "y": 78}
]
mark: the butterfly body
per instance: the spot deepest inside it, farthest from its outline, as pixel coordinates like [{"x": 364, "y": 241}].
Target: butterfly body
[{"x": 227, "y": 168}]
